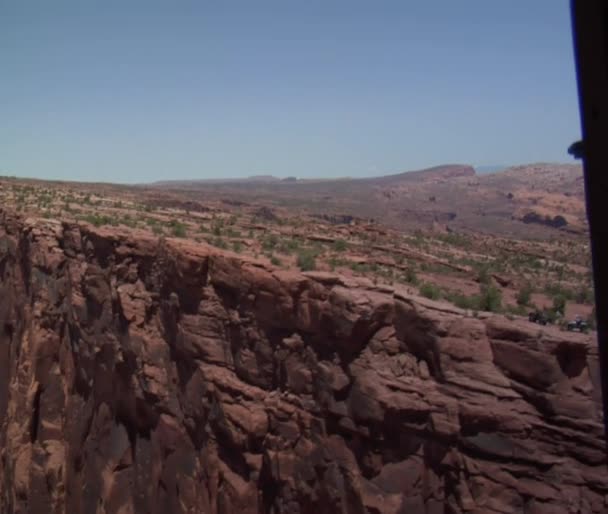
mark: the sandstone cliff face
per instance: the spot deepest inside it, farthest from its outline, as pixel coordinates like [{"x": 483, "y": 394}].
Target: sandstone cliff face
[{"x": 139, "y": 376}]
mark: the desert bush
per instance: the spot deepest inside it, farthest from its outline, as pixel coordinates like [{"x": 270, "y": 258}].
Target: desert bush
[
  {"x": 463, "y": 301},
  {"x": 270, "y": 241},
  {"x": 518, "y": 309},
  {"x": 237, "y": 246},
  {"x": 559, "y": 304},
  {"x": 490, "y": 299},
  {"x": 290, "y": 246},
  {"x": 275, "y": 261},
  {"x": 306, "y": 259},
  {"x": 128, "y": 221},
  {"x": 557, "y": 289},
  {"x": 524, "y": 294},
  {"x": 216, "y": 227},
  {"x": 99, "y": 220},
  {"x": 431, "y": 291},
  {"x": 178, "y": 229},
  {"x": 455, "y": 239},
  {"x": 340, "y": 245},
  {"x": 483, "y": 274},
  {"x": 219, "y": 242},
  {"x": 410, "y": 276}
]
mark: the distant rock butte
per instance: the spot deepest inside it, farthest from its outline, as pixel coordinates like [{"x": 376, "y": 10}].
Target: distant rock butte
[{"x": 147, "y": 376}]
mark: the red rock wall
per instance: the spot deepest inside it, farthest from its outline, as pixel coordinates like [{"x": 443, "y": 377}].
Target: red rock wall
[{"x": 139, "y": 376}]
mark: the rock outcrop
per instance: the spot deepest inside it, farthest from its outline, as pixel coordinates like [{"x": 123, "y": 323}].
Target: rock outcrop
[{"x": 140, "y": 375}]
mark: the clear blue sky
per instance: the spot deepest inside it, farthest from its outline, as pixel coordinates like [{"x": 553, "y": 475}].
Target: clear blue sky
[{"x": 136, "y": 91}]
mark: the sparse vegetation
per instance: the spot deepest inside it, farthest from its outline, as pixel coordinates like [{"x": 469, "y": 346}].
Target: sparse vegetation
[
  {"x": 556, "y": 271},
  {"x": 219, "y": 242},
  {"x": 99, "y": 220},
  {"x": 306, "y": 259},
  {"x": 340, "y": 245},
  {"x": 559, "y": 304},
  {"x": 490, "y": 299},
  {"x": 411, "y": 277},
  {"x": 178, "y": 229},
  {"x": 524, "y": 294},
  {"x": 270, "y": 241},
  {"x": 431, "y": 291}
]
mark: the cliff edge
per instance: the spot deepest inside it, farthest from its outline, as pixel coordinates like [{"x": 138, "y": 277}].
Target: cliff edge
[{"x": 140, "y": 375}]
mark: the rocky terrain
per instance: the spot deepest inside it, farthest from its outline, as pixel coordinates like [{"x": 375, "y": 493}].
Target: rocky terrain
[
  {"x": 147, "y": 372},
  {"x": 520, "y": 202},
  {"x": 449, "y": 258}
]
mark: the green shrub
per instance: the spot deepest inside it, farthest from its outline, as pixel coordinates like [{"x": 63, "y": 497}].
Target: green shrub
[
  {"x": 99, "y": 220},
  {"x": 483, "y": 275},
  {"x": 275, "y": 261},
  {"x": 524, "y": 294},
  {"x": 410, "y": 276},
  {"x": 306, "y": 259},
  {"x": 340, "y": 245},
  {"x": 216, "y": 227},
  {"x": 289, "y": 246},
  {"x": 178, "y": 229},
  {"x": 455, "y": 239},
  {"x": 219, "y": 242},
  {"x": 270, "y": 241},
  {"x": 559, "y": 304},
  {"x": 431, "y": 291},
  {"x": 237, "y": 246},
  {"x": 519, "y": 309},
  {"x": 490, "y": 299},
  {"x": 128, "y": 221},
  {"x": 463, "y": 301},
  {"x": 559, "y": 290}
]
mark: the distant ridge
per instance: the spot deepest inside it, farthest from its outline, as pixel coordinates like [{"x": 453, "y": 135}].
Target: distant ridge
[{"x": 443, "y": 171}]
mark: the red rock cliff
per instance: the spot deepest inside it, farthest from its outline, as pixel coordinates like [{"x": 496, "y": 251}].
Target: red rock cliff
[{"x": 139, "y": 376}]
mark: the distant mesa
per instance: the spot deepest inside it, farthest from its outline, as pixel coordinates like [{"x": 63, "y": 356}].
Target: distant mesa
[{"x": 262, "y": 178}]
